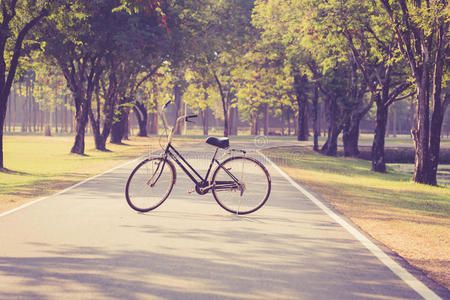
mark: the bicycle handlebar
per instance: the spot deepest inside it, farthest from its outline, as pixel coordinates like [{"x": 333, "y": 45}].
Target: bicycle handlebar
[
  {"x": 167, "y": 103},
  {"x": 187, "y": 117}
]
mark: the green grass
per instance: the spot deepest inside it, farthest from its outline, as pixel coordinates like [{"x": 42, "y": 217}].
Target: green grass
[
  {"x": 353, "y": 178},
  {"x": 40, "y": 165}
]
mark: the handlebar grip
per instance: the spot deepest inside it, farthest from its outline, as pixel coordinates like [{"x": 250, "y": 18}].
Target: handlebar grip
[
  {"x": 167, "y": 103},
  {"x": 191, "y": 116}
]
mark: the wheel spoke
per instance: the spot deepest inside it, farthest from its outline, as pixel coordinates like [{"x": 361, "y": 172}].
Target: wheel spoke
[
  {"x": 242, "y": 197},
  {"x": 149, "y": 184}
]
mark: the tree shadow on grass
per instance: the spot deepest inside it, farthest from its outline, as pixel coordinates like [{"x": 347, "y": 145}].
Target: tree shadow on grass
[
  {"x": 40, "y": 187},
  {"x": 8, "y": 171},
  {"x": 79, "y": 154}
]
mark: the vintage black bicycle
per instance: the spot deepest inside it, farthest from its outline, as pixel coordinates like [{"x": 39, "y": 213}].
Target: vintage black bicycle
[{"x": 240, "y": 184}]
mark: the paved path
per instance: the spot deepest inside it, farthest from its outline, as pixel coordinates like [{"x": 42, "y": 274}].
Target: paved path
[{"x": 86, "y": 243}]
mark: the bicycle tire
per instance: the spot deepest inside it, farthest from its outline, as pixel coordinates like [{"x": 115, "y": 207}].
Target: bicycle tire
[
  {"x": 255, "y": 192},
  {"x": 146, "y": 189}
]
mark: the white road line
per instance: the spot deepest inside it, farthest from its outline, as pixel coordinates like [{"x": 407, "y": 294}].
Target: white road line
[
  {"x": 67, "y": 189},
  {"x": 409, "y": 279}
]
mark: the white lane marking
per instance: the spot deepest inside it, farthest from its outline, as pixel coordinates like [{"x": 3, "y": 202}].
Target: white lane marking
[
  {"x": 409, "y": 279},
  {"x": 67, "y": 189}
]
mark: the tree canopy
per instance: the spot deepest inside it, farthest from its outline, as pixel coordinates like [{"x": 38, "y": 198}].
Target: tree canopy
[{"x": 239, "y": 61}]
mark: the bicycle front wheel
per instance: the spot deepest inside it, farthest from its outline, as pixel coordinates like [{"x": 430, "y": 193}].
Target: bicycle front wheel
[
  {"x": 241, "y": 185},
  {"x": 150, "y": 184}
]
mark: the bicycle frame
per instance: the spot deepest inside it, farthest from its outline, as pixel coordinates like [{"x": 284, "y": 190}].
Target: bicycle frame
[
  {"x": 186, "y": 167},
  {"x": 201, "y": 183}
]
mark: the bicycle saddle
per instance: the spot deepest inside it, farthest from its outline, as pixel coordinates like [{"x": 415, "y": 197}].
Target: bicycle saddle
[{"x": 221, "y": 142}]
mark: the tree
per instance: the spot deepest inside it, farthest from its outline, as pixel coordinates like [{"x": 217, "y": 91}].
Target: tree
[
  {"x": 49, "y": 89},
  {"x": 220, "y": 31},
  {"x": 18, "y": 18},
  {"x": 70, "y": 43},
  {"x": 263, "y": 83},
  {"x": 199, "y": 95},
  {"x": 359, "y": 108},
  {"x": 421, "y": 29},
  {"x": 361, "y": 30},
  {"x": 94, "y": 44},
  {"x": 279, "y": 22}
]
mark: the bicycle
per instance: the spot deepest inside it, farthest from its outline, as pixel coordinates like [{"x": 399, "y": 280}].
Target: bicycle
[{"x": 239, "y": 184}]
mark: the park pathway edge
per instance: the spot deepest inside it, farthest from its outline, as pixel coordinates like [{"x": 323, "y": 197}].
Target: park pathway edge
[
  {"x": 398, "y": 270},
  {"x": 8, "y": 212}
]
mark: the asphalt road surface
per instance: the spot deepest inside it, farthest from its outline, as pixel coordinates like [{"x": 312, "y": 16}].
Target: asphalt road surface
[{"x": 86, "y": 243}]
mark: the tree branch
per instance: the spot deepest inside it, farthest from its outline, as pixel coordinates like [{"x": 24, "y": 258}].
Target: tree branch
[
  {"x": 18, "y": 47},
  {"x": 360, "y": 63},
  {"x": 403, "y": 40},
  {"x": 148, "y": 76},
  {"x": 400, "y": 89}
]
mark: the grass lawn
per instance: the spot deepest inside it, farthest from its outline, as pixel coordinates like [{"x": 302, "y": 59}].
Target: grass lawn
[
  {"x": 411, "y": 219},
  {"x": 40, "y": 166}
]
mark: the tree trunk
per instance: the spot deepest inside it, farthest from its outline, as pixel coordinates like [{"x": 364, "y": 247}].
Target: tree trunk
[
  {"x": 153, "y": 121},
  {"x": 254, "y": 123},
  {"x": 300, "y": 86},
  {"x": 283, "y": 119},
  {"x": 421, "y": 136},
  {"x": 227, "y": 114},
  {"x": 126, "y": 125},
  {"x": 81, "y": 116},
  {"x": 179, "y": 107},
  {"x": 439, "y": 108},
  {"x": 205, "y": 119},
  {"x": 394, "y": 120},
  {"x": 225, "y": 120},
  {"x": 378, "y": 159},
  {"x": 301, "y": 123},
  {"x": 350, "y": 136},
  {"x": 266, "y": 118},
  {"x": 35, "y": 117},
  {"x": 24, "y": 113},
  {"x": 100, "y": 142},
  {"x": 234, "y": 121},
  {"x": 351, "y": 129},
  {"x": 64, "y": 115},
  {"x": 9, "y": 113},
  {"x": 3, "y": 107},
  {"x": 330, "y": 146},
  {"x": 15, "y": 110},
  {"x": 48, "y": 127},
  {"x": 142, "y": 117},
  {"x": 412, "y": 114},
  {"x": 117, "y": 128},
  {"x": 223, "y": 97},
  {"x": 288, "y": 117},
  {"x": 315, "y": 118},
  {"x": 435, "y": 141},
  {"x": 55, "y": 119}
]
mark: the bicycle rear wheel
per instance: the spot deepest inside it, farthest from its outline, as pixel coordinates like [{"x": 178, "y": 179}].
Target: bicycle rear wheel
[
  {"x": 150, "y": 184},
  {"x": 241, "y": 185}
]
